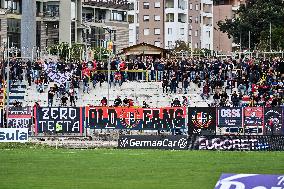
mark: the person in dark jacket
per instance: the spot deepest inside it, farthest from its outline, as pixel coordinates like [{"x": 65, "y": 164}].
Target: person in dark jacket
[
  {"x": 165, "y": 83},
  {"x": 117, "y": 102},
  {"x": 176, "y": 103}
]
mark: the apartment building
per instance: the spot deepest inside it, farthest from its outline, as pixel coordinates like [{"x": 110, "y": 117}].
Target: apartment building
[
  {"x": 224, "y": 9},
  {"x": 201, "y": 24},
  {"x": 97, "y": 15},
  {"x": 70, "y": 21},
  {"x": 31, "y": 26},
  {"x": 160, "y": 22},
  {"x": 163, "y": 22}
]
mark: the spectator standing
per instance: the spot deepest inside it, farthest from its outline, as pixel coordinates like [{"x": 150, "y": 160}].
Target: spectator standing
[
  {"x": 104, "y": 101},
  {"x": 176, "y": 103},
  {"x": 216, "y": 98},
  {"x": 165, "y": 83},
  {"x": 185, "y": 84},
  {"x": 86, "y": 84},
  {"x": 173, "y": 84},
  {"x": 184, "y": 101},
  {"x": 64, "y": 100},
  {"x": 50, "y": 96},
  {"x": 117, "y": 102},
  {"x": 235, "y": 99},
  {"x": 72, "y": 97}
]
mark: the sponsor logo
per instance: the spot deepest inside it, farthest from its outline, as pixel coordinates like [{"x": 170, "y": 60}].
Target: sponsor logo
[
  {"x": 14, "y": 135},
  {"x": 253, "y": 181},
  {"x": 201, "y": 119},
  {"x": 153, "y": 142},
  {"x": 229, "y": 113},
  {"x": 130, "y": 119},
  {"x": 230, "y": 144},
  {"x": 123, "y": 142}
]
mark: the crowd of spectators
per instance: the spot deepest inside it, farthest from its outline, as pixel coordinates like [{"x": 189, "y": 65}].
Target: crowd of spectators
[{"x": 250, "y": 82}]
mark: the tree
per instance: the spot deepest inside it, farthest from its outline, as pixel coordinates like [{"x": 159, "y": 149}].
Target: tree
[
  {"x": 181, "y": 47},
  {"x": 101, "y": 53},
  {"x": 256, "y": 17},
  {"x": 61, "y": 50},
  {"x": 77, "y": 51}
]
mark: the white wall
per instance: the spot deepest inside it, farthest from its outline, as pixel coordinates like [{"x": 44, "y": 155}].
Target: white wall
[
  {"x": 133, "y": 26},
  {"x": 176, "y": 34}
]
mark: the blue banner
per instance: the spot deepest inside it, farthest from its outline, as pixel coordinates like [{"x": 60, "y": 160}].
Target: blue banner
[{"x": 230, "y": 121}]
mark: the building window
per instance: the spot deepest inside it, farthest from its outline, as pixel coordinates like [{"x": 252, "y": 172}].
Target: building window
[
  {"x": 181, "y": 31},
  {"x": 196, "y": 33},
  {"x": 196, "y": 20},
  {"x": 137, "y": 5},
  {"x": 170, "y": 4},
  {"x": 208, "y": 33},
  {"x": 130, "y": 19},
  {"x": 190, "y": 32},
  {"x": 117, "y": 15},
  {"x": 146, "y": 5},
  {"x": 157, "y": 4},
  {"x": 170, "y": 17},
  {"x": 170, "y": 44},
  {"x": 157, "y": 43},
  {"x": 146, "y": 18},
  {"x": 190, "y": 6},
  {"x": 170, "y": 31},
  {"x": 146, "y": 31},
  {"x": 0, "y": 25},
  {"x": 196, "y": 7},
  {"x": 9, "y": 5},
  {"x": 157, "y": 18},
  {"x": 157, "y": 31},
  {"x": 137, "y": 18}
]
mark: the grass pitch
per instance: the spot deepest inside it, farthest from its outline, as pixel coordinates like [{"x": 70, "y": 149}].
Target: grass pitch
[{"x": 28, "y": 168}]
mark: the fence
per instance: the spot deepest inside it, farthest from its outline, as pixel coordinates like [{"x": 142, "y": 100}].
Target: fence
[
  {"x": 191, "y": 142},
  {"x": 142, "y": 75},
  {"x": 61, "y": 121},
  {"x": 248, "y": 128}
]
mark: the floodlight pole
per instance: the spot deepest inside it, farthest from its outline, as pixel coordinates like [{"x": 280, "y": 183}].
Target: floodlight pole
[
  {"x": 108, "y": 67},
  {"x": 8, "y": 78}
]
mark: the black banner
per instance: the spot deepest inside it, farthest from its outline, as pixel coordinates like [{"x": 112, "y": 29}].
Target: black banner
[
  {"x": 19, "y": 117},
  {"x": 136, "y": 118},
  {"x": 231, "y": 143},
  {"x": 169, "y": 142},
  {"x": 202, "y": 121},
  {"x": 59, "y": 120},
  {"x": 273, "y": 122},
  {"x": 230, "y": 121}
]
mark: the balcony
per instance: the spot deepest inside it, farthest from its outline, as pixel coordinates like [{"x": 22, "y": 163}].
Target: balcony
[
  {"x": 122, "y": 4},
  {"x": 51, "y": 16}
]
